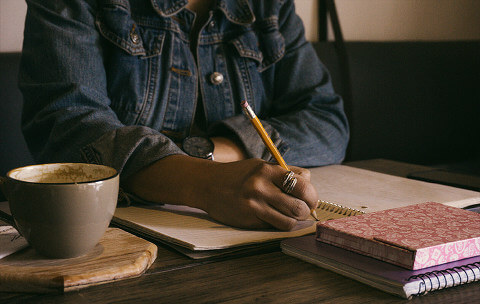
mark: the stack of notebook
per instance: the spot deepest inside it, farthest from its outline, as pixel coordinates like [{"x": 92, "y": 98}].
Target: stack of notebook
[{"x": 405, "y": 251}]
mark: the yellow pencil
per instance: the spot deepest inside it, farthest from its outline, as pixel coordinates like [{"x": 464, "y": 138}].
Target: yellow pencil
[{"x": 268, "y": 141}]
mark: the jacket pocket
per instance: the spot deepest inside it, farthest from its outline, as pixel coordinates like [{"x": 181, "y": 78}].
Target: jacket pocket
[
  {"x": 133, "y": 44},
  {"x": 115, "y": 22},
  {"x": 265, "y": 45}
]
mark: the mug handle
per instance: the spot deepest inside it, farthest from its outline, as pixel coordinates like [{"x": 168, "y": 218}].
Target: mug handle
[
  {"x": 3, "y": 190},
  {"x": 7, "y": 218}
]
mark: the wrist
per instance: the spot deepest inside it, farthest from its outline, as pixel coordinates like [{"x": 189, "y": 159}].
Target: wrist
[
  {"x": 175, "y": 179},
  {"x": 227, "y": 150}
]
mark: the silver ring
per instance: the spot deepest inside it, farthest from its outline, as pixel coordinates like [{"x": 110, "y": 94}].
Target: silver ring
[{"x": 289, "y": 182}]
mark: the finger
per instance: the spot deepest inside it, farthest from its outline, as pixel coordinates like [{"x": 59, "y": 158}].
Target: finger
[
  {"x": 264, "y": 192},
  {"x": 273, "y": 195},
  {"x": 303, "y": 190},
  {"x": 305, "y": 173},
  {"x": 276, "y": 218},
  {"x": 287, "y": 204}
]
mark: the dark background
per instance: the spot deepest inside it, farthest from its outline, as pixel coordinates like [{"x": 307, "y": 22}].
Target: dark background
[{"x": 417, "y": 102}]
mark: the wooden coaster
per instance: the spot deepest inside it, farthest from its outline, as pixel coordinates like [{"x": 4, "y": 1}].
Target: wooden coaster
[{"x": 119, "y": 255}]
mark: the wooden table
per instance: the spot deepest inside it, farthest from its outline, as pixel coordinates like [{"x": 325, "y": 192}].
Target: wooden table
[{"x": 262, "y": 277}]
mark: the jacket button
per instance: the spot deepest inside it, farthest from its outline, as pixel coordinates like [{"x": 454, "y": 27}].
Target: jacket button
[
  {"x": 134, "y": 37},
  {"x": 211, "y": 25},
  {"x": 216, "y": 78}
]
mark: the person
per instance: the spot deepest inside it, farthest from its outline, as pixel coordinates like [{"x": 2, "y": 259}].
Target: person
[{"x": 131, "y": 84}]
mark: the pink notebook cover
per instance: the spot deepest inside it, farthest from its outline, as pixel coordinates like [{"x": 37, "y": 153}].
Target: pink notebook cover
[{"x": 414, "y": 237}]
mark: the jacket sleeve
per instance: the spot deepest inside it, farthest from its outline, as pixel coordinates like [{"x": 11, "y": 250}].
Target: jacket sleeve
[
  {"x": 67, "y": 115},
  {"x": 306, "y": 121}
]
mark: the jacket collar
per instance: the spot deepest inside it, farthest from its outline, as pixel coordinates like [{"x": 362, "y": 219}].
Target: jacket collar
[{"x": 237, "y": 11}]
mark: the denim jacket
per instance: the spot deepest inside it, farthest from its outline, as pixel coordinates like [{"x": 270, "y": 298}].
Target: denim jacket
[{"x": 115, "y": 82}]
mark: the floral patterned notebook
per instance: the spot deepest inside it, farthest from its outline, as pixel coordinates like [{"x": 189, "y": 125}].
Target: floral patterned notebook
[{"x": 414, "y": 237}]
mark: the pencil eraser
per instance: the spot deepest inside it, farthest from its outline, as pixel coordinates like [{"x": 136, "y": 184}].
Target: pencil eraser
[{"x": 244, "y": 104}]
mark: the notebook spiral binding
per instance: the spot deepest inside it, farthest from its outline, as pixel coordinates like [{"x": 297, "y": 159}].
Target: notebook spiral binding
[
  {"x": 339, "y": 209},
  {"x": 436, "y": 280}
]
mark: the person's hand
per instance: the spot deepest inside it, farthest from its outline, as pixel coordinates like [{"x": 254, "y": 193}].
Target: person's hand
[
  {"x": 244, "y": 194},
  {"x": 248, "y": 194}
]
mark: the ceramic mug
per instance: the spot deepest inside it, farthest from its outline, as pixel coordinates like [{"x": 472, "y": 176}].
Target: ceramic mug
[{"x": 62, "y": 209}]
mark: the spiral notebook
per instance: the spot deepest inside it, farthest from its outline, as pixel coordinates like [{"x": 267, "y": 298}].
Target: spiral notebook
[
  {"x": 345, "y": 191},
  {"x": 384, "y": 276}
]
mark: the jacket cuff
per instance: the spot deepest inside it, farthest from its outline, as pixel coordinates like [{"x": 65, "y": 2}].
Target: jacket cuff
[{"x": 129, "y": 149}]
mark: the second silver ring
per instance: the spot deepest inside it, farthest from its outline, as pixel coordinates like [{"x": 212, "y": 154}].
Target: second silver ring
[{"x": 289, "y": 182}]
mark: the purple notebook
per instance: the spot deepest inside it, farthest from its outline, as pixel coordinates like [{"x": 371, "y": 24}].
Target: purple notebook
[{"x": 382, "y": 275}]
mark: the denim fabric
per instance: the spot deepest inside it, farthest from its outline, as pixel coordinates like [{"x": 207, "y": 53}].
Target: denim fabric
[{"x": 115, "y": 82}]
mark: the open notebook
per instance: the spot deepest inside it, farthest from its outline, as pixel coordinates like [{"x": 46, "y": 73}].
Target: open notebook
[{"x": 345, "y": 191}]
